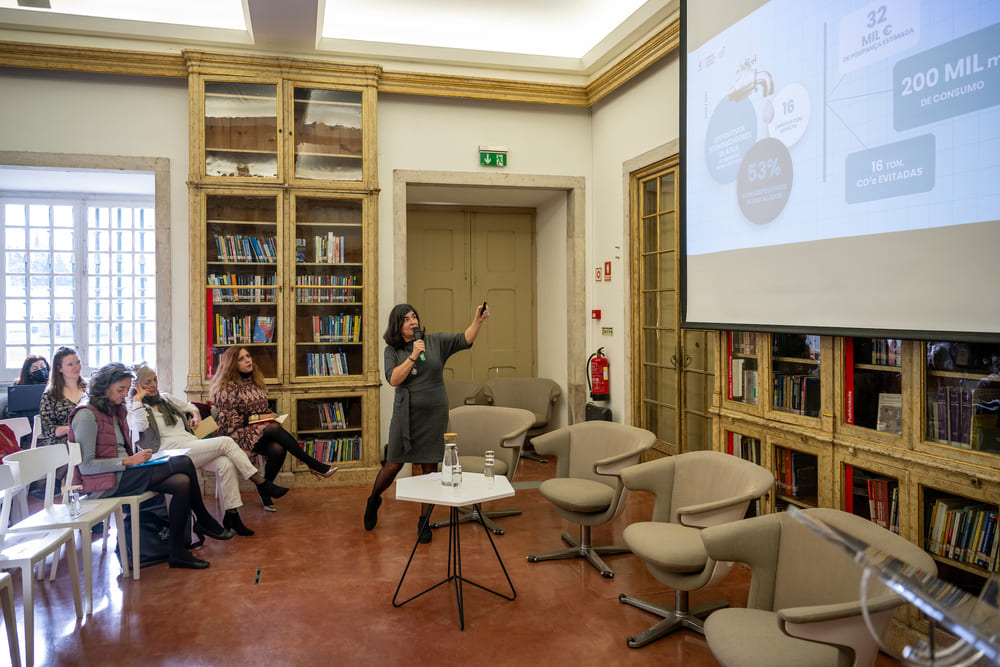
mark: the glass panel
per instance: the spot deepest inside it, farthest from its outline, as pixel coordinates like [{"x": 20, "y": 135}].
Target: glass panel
[
  {"x": 241, "y": 129},
  {"x": 15, "y": 239},
  {"x": 667, "y": 192},
  {"x": 62, "y": 216},
  {"x": 667, "y": 431},
  {"x": 698, "y": 432},
  {"x": 650, "y": 417},
  {"x": 650, "y": 270},
  {"x": 697, "y": 391},
  {"x": 668, "y": 275},
  {"x": 668, "y": 345},
  {"x": 16, "y": 286},
  {"x": 668, "y": 227},
  {"x": 963, "y": 395},
  {"x": 329, "y": 142},
  {"x": 667, "y": 304},
  {"x": 14, "y": 216},
  {"x": 696, "y": 348},
  {"x": 651, "y": 346},
  {"x": 649, "y": 197},
  {"x": 667, "y": 386}
]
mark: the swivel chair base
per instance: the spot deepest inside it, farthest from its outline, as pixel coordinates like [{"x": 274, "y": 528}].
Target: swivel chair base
[
  {"x": 466, "y": 515},
  {"x": 582, "y": 548},
  {"x": 673, "y": 619}
]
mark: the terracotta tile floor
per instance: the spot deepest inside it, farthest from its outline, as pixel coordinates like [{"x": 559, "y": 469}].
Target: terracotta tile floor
[{"x": 313, "y": 588}]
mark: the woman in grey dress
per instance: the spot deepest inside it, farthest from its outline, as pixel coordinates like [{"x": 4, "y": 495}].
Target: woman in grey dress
[{"x": 414, "y": 365}]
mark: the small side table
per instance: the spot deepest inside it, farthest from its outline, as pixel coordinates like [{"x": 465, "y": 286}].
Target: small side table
[{"x": 475, "y": 490}]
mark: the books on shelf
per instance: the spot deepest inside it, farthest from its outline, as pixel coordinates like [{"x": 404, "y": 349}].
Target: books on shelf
[
  {"x": 263, "y": 331},
  {"x": 744, "y": 447},
  {"x": 796, "y": 393},
  {"x": 340, "y": 328},
  {"x": 327, "y": 363},
  {"x": 890, "y": 414},
  {"x": 964, "y": 531},
  {"x": 243, "y": 329},
  {"x": 332, "y": 415},
  {"x": 240, "y": 248},
  {"x": 347, "y": 448},
  {"x": 246, "y": 288},
  {"x": 964, "y": 417},
  {"x": 329, "y": 248},
  {"x": 796, "y": 473},
  {"x": 327, "y": 289}
]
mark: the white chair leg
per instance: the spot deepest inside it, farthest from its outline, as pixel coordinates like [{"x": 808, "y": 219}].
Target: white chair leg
[
  {"x": 74, "y": 576},
  {"x": 28, "y": 604},
  {"x": 122, "y": 546},
  {"x": 10, "y": 620},
  {"x": 134, "y": 508},
  {"x": 88, "y": 573}
]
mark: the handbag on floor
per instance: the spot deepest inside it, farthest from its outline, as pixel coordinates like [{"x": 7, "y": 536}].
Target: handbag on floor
[{"x": 154, "y": 532}]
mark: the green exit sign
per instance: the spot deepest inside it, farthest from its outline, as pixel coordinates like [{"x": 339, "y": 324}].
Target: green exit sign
[{"x": 492, "y": 157}]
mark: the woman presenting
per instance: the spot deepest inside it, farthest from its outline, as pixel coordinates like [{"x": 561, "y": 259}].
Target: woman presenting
[
  {"x": 111, "y": 467},
  {"x": 161, "y": 422},
  {"x": 414, "y": 365},
  {"x": 244, "y": 415}
]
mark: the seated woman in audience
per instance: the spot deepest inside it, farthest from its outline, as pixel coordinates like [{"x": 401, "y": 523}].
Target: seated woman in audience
[
  {"x": 35, "y": 370},
  {"x": 161, "y": 420},
  {"x": 111, "y": 467},
  {"x": 65, "y": 390},
  {"x": 244, "y": 415}
]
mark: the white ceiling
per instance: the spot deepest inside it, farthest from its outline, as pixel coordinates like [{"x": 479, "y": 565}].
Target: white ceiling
[{"x": 568, "y": 36}]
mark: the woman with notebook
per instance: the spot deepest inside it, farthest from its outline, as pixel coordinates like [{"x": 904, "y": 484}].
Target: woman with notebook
[
  {"x": 163, "y": 422},
  {"x": 244, "y": 414}
]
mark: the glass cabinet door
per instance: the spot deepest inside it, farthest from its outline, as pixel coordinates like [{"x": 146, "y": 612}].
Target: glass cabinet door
[
  {"x": 873, "y": 383},
  {"x": 329, "y": 279},
  {"x": 241, "y": 130},
  {"x": 795, "y": 374},
  {"x": 742, "y": 385},
  {"x": 241, "y": 252},
  {"x": 329, "y": 142},
  {"x": 962, "y": 387}
]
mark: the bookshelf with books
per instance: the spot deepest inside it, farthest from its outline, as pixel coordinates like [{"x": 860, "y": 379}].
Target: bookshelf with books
[
  {"x": 748, "y": 448},
  {"x": 959, "y": 530},
  {"x": 962, "y": 390},
  {"x": 873, "y": 384},
  {"x": 329, "y": 286},
  {"x": 796, "y": 375},
  {"x": 796, "y": 475},
  {"x": 742, "y": 367},
  {"x": 283, "y": 190},
  {"x": 241, "y": 248},
  {"x": 872, "y": 495},
  {"x": 331, "y": 428}
]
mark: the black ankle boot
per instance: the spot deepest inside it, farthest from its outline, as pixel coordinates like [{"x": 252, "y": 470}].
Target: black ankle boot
[
  {"x": 271, "y": 490},
  {"x": 232, "y": 521}
]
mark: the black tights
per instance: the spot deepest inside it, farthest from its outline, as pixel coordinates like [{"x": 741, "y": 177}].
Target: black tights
[
  {"x": 177, "y": 477},
  {"x": 388, "y": 473},
  {"x": 274, "y": 443}
]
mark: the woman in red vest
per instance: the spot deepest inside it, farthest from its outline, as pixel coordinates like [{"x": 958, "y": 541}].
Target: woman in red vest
[{"x": 110, "y": 465}]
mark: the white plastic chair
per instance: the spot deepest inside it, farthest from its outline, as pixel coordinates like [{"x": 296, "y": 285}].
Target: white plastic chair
[
  {"x": 36, "y": 428},
  {"x": 25, "y": 551},
  {"x": 42, "y": 463},
  {"x": 132, "y": 502},
  {"x": 9, "y": 619},
  {"x": 21, "y": 426}
]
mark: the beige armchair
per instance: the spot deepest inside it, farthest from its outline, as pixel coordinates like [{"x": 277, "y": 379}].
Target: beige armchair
[
  {"x": 587, "y": 488},
  {"x": 539, "y": 395},
  {"x": 481, "y": 428},
  {"x": 691, "y": 492},
  {"x": 462, "y": 392},
  {"x": 804, "y": 605}
]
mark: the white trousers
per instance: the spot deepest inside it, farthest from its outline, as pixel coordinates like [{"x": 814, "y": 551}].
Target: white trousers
[{"x": 225, "y": 458}]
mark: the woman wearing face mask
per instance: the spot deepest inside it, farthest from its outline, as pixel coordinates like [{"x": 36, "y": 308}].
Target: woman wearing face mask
[
  {"x": 65, "y": 390},
  {"x": 160, "y": 420},
  {"x": 35, "y": 370}
]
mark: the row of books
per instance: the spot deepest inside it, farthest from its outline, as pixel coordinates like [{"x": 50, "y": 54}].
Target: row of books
[
  {"x": 340, "y": 328},
  {"x": 874, "y": 496},
  {"x": 796, "y": 393},
  {"x": 329, "y": 249},
  {"x": 963, "y": 531},
  {"x": 332, "y": 415},
  {"x": 326, "y": 289},
  {"x": 795, "y": 473},
  {"x": 240, "y": 330},
  {"x": 745, "y": 447},
  {"x": 339, "y": 449},
  {"x": 327, "y": 363},
  {"x": 887, "y": 351},
  {"x": 744, "y": 342},
  {"x": 743, "y": 381},
  {"x": 964, "y": 417},
  {"x": 252, "y": 288},
  {"x": 240, "y": 248}
]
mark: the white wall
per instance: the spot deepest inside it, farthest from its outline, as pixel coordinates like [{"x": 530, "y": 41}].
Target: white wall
[
  {"x": 99, "y": 115},
  {"x": 640, "y": 116}
]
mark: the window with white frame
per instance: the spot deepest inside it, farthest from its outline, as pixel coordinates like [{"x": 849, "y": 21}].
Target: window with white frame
[{"x": 81, "y": 272}]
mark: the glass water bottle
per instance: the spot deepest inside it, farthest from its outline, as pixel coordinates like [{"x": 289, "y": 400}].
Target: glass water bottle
[
  {"x": 451, "y": 467},
  {"x": 489, "y": 466}
]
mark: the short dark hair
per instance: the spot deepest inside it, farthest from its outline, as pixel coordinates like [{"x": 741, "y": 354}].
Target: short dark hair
[
  {"x": 392, "y": 335},
  {"x": 101, "y": 381}
]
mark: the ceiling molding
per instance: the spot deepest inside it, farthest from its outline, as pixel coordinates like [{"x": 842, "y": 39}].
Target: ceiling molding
[{"x": 142, "y": 63}]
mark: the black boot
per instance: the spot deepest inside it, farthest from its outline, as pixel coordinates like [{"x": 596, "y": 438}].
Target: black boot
[
  {"x": 270, "y": 489},
  {"x": 233, "y": 522}
]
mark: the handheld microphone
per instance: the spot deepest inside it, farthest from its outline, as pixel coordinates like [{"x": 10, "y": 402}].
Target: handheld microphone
[{"x": 418, "y": 334}]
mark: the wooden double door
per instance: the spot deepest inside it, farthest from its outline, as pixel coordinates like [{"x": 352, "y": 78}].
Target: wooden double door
[{"x": 458, "y": 257}]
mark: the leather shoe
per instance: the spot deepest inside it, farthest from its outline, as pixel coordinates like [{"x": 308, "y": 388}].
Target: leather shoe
[
  {"x": 272, "y": 490},
  {"x": 424, "y": 530},
  {"x": 371, "y": 511},
  {"x": 232, "y": 521},
  {"x": 265, "y": 500},
  {"x": 188, "y": 561},
  {"x": 220, "y": 534}
]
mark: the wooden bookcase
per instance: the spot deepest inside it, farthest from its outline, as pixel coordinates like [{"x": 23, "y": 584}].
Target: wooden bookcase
[
  {"x": 283, "y": 195},
  {"x": 936, "y": 444}
]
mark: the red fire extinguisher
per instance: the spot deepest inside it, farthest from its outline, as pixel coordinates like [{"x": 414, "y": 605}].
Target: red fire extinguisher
[{"x": 599, "y": 377}]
